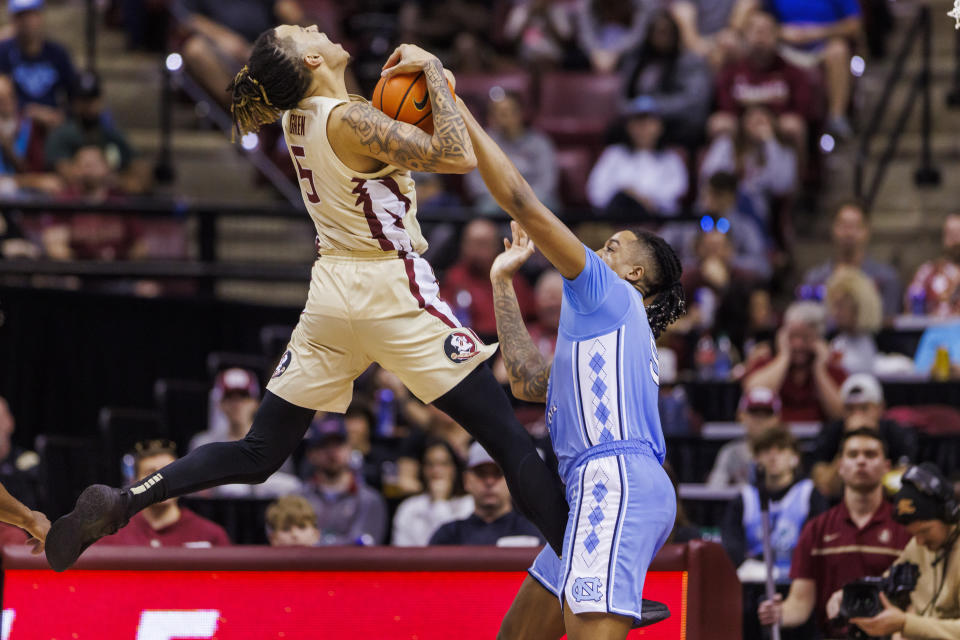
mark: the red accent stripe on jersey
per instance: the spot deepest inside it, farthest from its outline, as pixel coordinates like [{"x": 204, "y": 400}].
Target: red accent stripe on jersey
[
  {"x": 376, "y": 228},
  {"x": 391, "y": 184},
  {"x": 415, "y": 290}
]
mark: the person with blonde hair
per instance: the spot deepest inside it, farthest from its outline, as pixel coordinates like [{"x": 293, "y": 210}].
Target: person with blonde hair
[
  {"x": 855, "y": 311},
  {"x": 292, "y": 522}
]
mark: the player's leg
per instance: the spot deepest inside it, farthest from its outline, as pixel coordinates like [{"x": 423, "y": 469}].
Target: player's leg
[
  {"x": 101, "y": 510},
  {"x": 534, "y": 615},
  {"x": 596, "y": 626},
  {"x": 480, "y": 405}
]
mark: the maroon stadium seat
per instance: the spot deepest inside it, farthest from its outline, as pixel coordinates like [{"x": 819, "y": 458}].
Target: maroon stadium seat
[
  {"x": 574, "y": 164},
  {"x": 475, "y": 88},
  {"x": 577, "y": 108}
]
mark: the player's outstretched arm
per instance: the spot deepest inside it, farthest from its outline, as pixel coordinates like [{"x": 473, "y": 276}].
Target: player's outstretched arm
[
  {"x": 516, "y": 197},
  {"x": 528, "y": 370},
  {"x": 364, "y": 130},
  {"x": 14, "y": 512}
]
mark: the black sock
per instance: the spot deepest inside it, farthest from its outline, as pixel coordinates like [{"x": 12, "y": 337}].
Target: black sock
[
  {"x": 277, "y": 429},
  {"x": 480, "y": 406}
]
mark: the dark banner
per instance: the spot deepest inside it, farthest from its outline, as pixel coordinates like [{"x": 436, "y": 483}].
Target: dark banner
[{"x": 64, "y": 355}]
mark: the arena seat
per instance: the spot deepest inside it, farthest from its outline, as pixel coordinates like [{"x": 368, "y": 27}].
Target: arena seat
[
  {"x": 183, "y": 407},
  {"x": 574, "y": 164},
  {"x": 274, "y": 339},
  {"x": 120, "y": 429},
  {"x": 577, "y": 108},
  {"x": 475, "y": 88}
]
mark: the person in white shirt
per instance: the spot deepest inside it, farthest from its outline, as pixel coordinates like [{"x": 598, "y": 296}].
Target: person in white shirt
[
  {"x": 444, "y": 500},
  {"x": 639, "y": 174}
]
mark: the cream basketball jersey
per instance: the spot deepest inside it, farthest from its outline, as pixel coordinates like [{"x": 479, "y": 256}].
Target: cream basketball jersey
[{"x": 352, "y": 211}]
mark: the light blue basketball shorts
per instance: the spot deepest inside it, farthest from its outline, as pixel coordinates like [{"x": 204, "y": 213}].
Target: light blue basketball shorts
[{"x": 622, "y": 509}]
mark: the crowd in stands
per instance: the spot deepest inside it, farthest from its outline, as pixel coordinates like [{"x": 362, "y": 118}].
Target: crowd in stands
[{"x": 717, "y": 106}]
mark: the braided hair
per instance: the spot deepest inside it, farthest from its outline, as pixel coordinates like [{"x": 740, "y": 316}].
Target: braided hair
[
  {"x": 662, "y": 278},
  {"x": 273, "y": 81}
]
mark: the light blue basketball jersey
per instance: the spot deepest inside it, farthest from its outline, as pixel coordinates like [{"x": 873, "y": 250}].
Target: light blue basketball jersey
[{"x": 605, "y": 378}]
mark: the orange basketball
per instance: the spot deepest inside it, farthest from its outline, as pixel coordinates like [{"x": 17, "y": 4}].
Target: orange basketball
[{"x": 404, "y": 97}]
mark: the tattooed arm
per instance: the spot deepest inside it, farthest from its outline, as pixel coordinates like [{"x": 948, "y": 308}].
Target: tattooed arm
[
  {"x": 361, "y": 129},
  {"x": 527, "y": 369}
]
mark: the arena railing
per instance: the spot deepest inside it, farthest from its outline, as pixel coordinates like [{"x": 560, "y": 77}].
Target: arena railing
[
  {"x": 926, "y": 174},
  {"x": 208, "y": 266}
]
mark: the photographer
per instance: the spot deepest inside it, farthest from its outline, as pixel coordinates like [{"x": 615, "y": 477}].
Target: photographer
[
  {"x": 927, "y": 507},
  {"x": 857, "y": 538}
]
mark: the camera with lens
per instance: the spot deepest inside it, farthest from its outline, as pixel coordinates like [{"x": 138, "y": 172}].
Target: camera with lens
[{"x": 861, "y": 598}]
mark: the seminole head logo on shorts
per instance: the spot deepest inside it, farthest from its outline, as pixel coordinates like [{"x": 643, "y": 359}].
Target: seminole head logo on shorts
[
  {"x": 283, "y": 364},
  {"x": 460, "y": 346}
]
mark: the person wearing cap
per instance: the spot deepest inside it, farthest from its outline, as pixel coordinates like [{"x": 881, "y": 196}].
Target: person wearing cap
[
  {"x": 164, "y": 524},
  {"x": 89, "y": 125},
  {"x": 639, "y": 176},
  {"x": 238, "y": 393},
  {"x": 858, "y": 537},
  {"x": 803, "y": 371},
  {"x": 758, "y": 412},
  {"x": 863, "y": 407},
  {"x": 348, "y": 511},
  {"x": 931, "y": 518},
  {"x": 41, "y": 69},
  {"x": 494, "y": 520}
]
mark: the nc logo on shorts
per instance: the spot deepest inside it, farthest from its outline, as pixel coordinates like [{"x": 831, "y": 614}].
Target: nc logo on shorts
[
  {"x": 587, "y": 589},
  {"x": 284, "y": 363},
  {"x": 460, "y": 346}
]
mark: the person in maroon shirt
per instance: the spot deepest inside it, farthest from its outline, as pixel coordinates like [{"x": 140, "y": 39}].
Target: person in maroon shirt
[
  {"x": 165, "y": 524},
  {"x": 804, "y": 371},
  {"x": 466, "y": 285},
  {"x": 762, "y": 77},
  {"x": 858, "y": 537}
]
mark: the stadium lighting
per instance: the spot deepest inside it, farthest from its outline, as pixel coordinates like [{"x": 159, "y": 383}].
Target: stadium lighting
[
  {"x": 250, "y": 141},
  {"x": 857, "y": 66},
  {"x": 827, "y": 143},
  {"x": 174, "y": 62}
]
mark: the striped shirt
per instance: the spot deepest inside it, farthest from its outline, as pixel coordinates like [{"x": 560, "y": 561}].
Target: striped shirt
[{"x": 832, "y": 552}]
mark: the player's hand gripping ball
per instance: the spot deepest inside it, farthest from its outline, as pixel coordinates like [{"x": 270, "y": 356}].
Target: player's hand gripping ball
[{"x": 404, "y": 97}]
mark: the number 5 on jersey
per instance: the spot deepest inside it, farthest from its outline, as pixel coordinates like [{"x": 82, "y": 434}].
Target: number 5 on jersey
[{"x": 304, "y": 172}]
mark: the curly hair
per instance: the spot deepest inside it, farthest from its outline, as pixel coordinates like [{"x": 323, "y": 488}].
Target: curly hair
[
  {"x": 850, "y": 281},
  {"x": 662, "y": 278},
  {"x": 271, "y": 82}
]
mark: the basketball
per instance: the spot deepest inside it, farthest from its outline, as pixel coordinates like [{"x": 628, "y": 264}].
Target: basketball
[{"x": 404, "y": 97}]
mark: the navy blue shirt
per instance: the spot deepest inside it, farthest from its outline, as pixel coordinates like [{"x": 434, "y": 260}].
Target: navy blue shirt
[
  {"x": 799, "y": 12},
  {"x": 47, "y": 79},
  {"x": 474, "y": 531}
]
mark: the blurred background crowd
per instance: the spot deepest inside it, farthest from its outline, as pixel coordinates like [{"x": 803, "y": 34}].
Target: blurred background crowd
[{"x": 816, "y": 307}]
